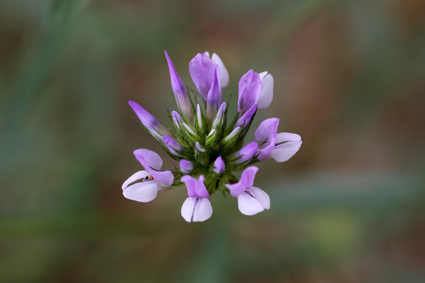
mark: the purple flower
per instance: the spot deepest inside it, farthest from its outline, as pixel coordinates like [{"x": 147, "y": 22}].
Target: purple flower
[
  {"x": 246, "y": 117},
  {"x": 149, "y": 184},
  {"x": 214, "y": 98},
  {"x": 251, "y": 200},
  {"x": 149, "y": 121},
  {"x": 173, "y": 146},
  {"x": 247, "y": 153},
  {"x": 197, "y": 207},
  {"x": 219, "y": 165},
  {"x": 182, "y": 99},
  {"x": 202, "y": 70},
  {"x": 249, "y": 91},
  {"x": 177, "y": 119},
  {"x": 186, "y": 166},
  {"x": 287, "y": 144},
  {"x": 265, "y": 135},
  {"x": 266, "y": 96}
]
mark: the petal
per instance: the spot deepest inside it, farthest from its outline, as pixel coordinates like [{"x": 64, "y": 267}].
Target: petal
[
  {"x": 285, "y": 137},
  {"x": 186, "y": 166},
  {"x": 201, "y": 70},
  {"x": 195, "y": 187},
  {"x": 248, "y": 205},
  {"x": 248, "y": 152},
  {"x": 263, "y": 75},
  {"x": 247, "y": 116},
  {"x": 203, "y": 210},
  {"x": 224, "y": 78},
  {"x": 173, "y": 146},
  {"x": 266, "y": 136},
  {"x": 219, "y": 117},
  {"x": 177, "y": 119},
  {"x": 232, "y": 134},
  {"x": 133, "y": 178},
  {"x": 261, "y": 196},
  {"x": 245, "y": 182},
  {"x": 142, "y": 192},
  {"x": 285, "y": 151},
  {"x": 249, "y": 91},
  {"x": 219, "y": 165},
  {"x": 199, "y": 147},
  {"x": 151, "y": 158},
  {"x": 188, "y": 208},
  {"x": 266, "y": 95},
  {"x": 214, "y": 98}
]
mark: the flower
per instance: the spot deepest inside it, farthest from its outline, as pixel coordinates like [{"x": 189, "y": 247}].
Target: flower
[
  {"x": 151, "y": 181},
  {"x": 206, "y": 146},
  {"x": 197, "y": 206},
  {"x": 251, "y": 200}
]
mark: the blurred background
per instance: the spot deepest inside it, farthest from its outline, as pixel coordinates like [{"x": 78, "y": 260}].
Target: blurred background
[{"x": 349, "y": 78}]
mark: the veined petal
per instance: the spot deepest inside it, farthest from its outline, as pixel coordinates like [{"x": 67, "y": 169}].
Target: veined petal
[
  {"x": 248, "y": 205},
  {"x": 219, "y": 165},
  {"x": 173, "y": 146},
  {"x": 266, "y": 136},
  {"x": 195, "y": 187},
  {"x": 247, "y": 153},
  {"x": 186, "y": 166},
  {"x": 245, "y": 182},
  {"x": 140, "y": 175},
  {"x": 203, "y": 210},
  {"x": 249, "y": 91},
  {"x": 214, "y": 98},
  {"x": 182, "y": 99},
  {"x": 287, "y": 144},
  {"x": 152, "y": 162},
  {"x": 142, "y": 192},
  {"x": 188, "y": 207},
  {"x": 246, "y": 118},
  {"x": 149, "y": 121},
  {"x": 224, "y": 78},
  {"x": 201, "y": 70},
  {"x": 261, "y": 196},
  {"x": 266, "y": 95}
]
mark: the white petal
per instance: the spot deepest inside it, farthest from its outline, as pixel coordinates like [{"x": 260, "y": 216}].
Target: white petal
[
  {"x": 224, "y": 74},
  {"x": 266, "y": 95},
  {"x": 133, "y": 178},
  {"x": 203, "y": 210},
  {"x": 283, "y": 152},
  {"x": 262, "y": 197},
  {"x": 262, "y": 75},
  {"x": 142, "y": 192},
  {"x": 208, "y": 54},
  {"x": 188, "y": 208},
  {"x": 249, "y": 205},
  {"x": 283, "y": 137}
]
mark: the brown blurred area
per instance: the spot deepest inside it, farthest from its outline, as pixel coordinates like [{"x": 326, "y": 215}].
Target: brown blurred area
[{"x": 349, "y": 78}]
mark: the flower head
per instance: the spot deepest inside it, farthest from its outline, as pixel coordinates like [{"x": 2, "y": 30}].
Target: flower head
[{"x": 208, "y": 148}]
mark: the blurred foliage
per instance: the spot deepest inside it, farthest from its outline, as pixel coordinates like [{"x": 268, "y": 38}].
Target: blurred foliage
[{"x": 349, "y": 78}]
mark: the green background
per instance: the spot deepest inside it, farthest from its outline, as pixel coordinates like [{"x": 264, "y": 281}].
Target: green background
[{"x": 349, "y": 78}]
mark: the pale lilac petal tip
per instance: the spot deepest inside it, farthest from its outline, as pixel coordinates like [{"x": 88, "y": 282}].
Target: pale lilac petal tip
[
  {"x": 219, "y": 165},
  {"x": 248, "y": 152},
  {"x": 176, "y": 82},
  {"x": 186, "y": 166},
  {"x": 173, "y": 146},
  {"x": 247, "y": 117},
  {"x": 149, "y": 121},
  {"x": 224, "y": 78}
]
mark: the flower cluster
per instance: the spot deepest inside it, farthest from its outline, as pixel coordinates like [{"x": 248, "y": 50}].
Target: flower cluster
[{"x": 207, "y": 148}]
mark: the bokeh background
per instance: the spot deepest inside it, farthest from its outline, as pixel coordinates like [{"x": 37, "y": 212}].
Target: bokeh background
[{"x": 349, "y": 78}]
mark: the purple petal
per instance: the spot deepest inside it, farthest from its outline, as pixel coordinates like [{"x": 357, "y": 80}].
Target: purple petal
[
  {"x": 266, "y": 95},
  {"x": 219, "y": 165},
  {"x": 224, "y": 78},
  {"x": 142, "y": 192},
  {"x": 201, "y": 70},
  {"x": 177, "y": 119},
  {"x": 195, "y": 187},
  {"x": 152, "y": 162},
  {"x": 265, "y": 135},
  {"x": 186, "y": 166},
  {"x": 248, "y": 152},
  {"x": 149, "y": 121},
  {"x": 140, "y": 175},
  {"x": 214, "y": 98},
  {"x": 203, "y": 210},
  {"x": 245, "y": 182},
  {"x": 246, "y": 118},
  {"x": 219, "y": 116},
  {"x": 173, "y": 146},
  {"x": 179, "y": 90},
  {"x": 249, "y": 205},
  {"x": 249, "y": 91},
  {"x": 287, "y": 144}
]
